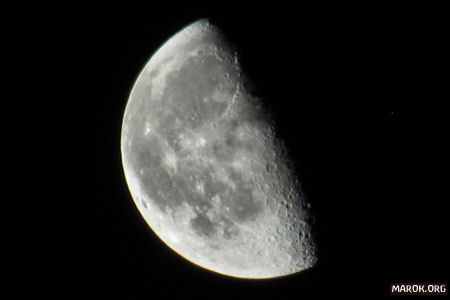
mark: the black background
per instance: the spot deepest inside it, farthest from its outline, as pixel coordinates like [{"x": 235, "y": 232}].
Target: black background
[{"x": 358, "y": 94}]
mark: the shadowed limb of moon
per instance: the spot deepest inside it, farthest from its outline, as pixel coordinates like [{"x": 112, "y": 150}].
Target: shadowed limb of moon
[{"x": 204, "y": 167}]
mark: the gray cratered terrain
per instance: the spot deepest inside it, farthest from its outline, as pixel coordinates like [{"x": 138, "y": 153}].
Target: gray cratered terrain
[{"x": 204, "y": 166}]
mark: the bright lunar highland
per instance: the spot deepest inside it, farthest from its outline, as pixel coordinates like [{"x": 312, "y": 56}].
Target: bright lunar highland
[{"x": 205, "y": 167}]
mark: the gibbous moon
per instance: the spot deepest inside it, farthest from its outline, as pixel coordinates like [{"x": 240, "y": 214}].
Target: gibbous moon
[{"x": 204, "y": 166}]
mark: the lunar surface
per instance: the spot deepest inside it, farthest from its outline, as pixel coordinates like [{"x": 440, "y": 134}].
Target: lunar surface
[{"x": 204, "y": 166}]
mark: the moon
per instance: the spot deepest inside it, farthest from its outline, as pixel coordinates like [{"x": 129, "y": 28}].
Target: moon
[{"x": 205, "y": 167}]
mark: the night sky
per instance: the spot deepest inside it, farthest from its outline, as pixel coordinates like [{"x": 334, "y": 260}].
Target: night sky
[{"x": 357, "y": 93}]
